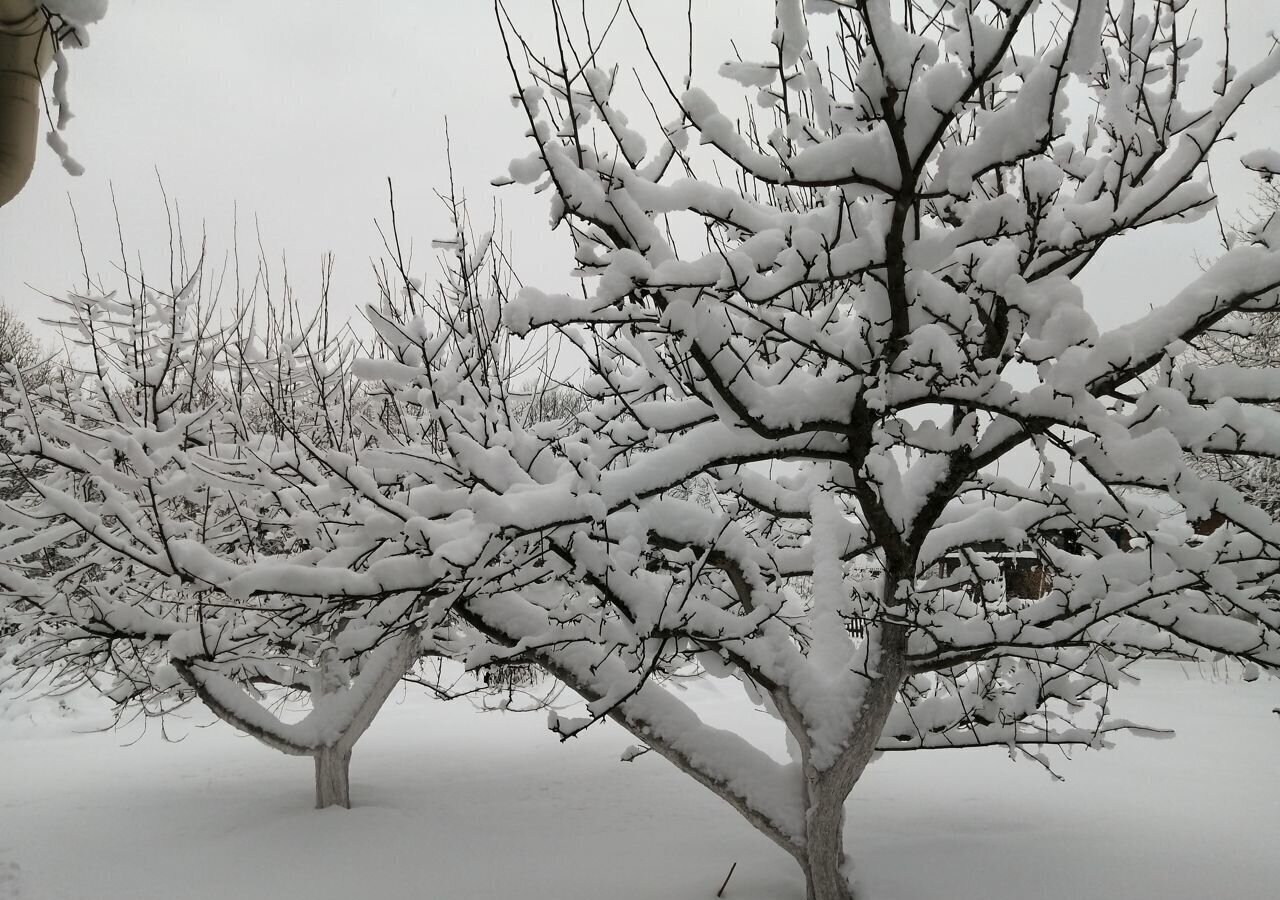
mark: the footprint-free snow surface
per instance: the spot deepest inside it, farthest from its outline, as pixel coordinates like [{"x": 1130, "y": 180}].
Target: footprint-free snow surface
[{"x": 454, "y": 803}]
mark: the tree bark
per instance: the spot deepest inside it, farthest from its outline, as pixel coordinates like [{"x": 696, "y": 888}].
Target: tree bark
[
  {"x": 823, "y": 860},
  {"x": 333, "y": 778}
]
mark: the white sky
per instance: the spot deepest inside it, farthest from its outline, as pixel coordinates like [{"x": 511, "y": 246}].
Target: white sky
[{"x": 297, "y": 112}]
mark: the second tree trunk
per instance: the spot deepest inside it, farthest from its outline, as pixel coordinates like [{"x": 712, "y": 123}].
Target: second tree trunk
[{"x": 333, "y": 784}]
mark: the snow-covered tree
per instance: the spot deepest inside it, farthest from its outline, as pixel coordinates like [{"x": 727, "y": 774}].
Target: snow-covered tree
[
  {"x": 854, "y": 308},
  {"x": 177, "y": 430}
]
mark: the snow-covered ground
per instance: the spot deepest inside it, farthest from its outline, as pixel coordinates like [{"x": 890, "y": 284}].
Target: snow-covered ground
[{"x": 452, "y": 803}]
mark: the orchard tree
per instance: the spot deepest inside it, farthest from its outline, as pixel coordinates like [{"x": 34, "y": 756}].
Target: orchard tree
[
  {"x": 19, "y": 346},
  {"x": 870, "y": 324},
  {"x": 179, "y": 431},
  {"x": 23, "y": 357}
]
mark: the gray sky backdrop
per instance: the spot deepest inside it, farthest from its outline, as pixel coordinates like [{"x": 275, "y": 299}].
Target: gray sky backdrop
[{"x": 297, "y": 112}]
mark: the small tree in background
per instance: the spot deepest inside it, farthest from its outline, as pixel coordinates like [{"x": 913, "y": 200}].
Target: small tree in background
[
  {"x": 21, "y": 356},
  {"x": 18, "y": 344},
  {"x": 184, "y": 452}
]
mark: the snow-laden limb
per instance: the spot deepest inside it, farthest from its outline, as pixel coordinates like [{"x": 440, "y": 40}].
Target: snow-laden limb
[
  {"x": 67, "y": 25},
  {"x": 1265, "y": 162},
  {"x": 78, "y": 13},
  {"x": 1231, "y": 365},
  {"x": 760, "y": 788}
]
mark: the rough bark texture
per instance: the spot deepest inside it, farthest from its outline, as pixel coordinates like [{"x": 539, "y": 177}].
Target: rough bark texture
[
  {"x": 333, "y": 780},
  {"x": 823, "y": 859},
  {"x": 824, "y": 843}
]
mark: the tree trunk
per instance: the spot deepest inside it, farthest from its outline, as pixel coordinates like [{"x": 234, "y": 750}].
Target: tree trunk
[
  {"x": 823, "y": 858},
  {"x": 333, "y": 783}
]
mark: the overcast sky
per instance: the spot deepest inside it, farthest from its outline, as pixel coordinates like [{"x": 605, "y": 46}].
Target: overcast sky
[{"x": 297, "y": 113}]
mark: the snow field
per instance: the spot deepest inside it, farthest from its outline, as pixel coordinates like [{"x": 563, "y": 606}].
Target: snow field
[{"x": 452, "y": 803}]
